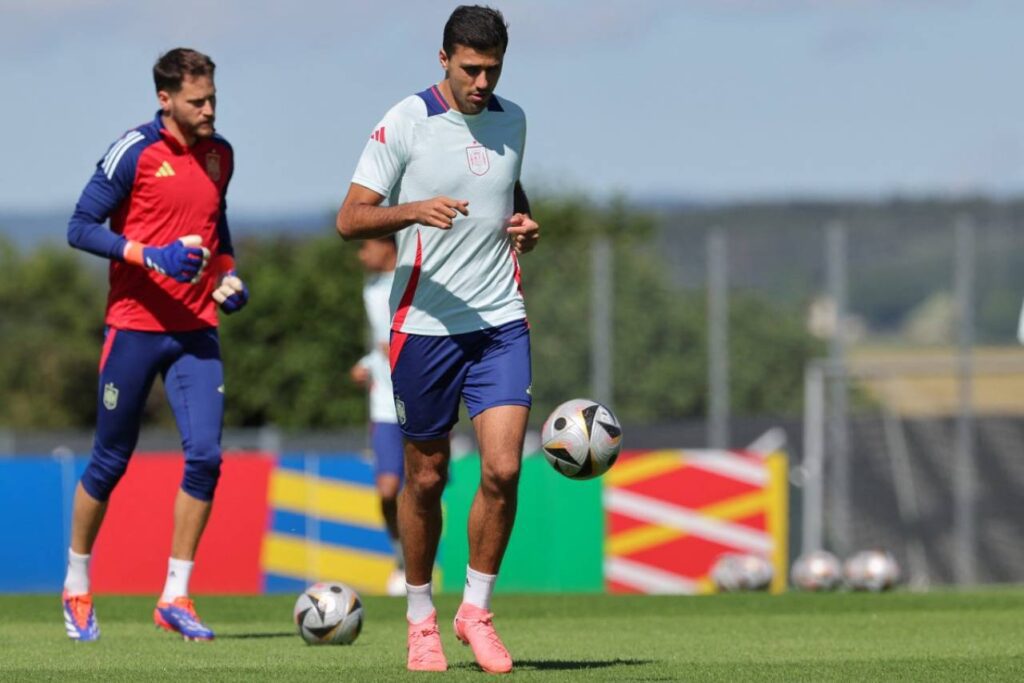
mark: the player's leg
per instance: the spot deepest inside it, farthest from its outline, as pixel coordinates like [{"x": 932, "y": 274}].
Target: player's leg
[
  {"x": 419, "y": 509},
  {"x": 388, "y": 450},
  {"x": 427, "y": 373},
  {"x": 128, "y": 364},
  {"x": 419, "y": 523},
  {"x": 195, "y": 390},
  {"x": 500, "y": 432},
  {"x": 497, "y": 393}
]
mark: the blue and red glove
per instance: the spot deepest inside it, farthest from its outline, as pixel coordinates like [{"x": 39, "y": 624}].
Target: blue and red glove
[
  {"x": 231, "y": 294},
  {"x": 182, "y": 260}
]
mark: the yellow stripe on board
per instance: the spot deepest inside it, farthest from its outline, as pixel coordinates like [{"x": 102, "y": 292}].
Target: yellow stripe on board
[
  {"x": 640, "y": 538},
  {"x": 644, "y": 467},
  {"x": 778, "y": 518},
  {"x": 327, "y": 499},
  {"x": 737, "y": 507},
  {"x": 293, "y": 556}
]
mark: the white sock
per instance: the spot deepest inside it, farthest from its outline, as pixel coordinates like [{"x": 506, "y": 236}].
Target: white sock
[
  {"x": 479, "y": 587},
  {"x": 420, "y": 602},
  {"x": 77, "y": 580},
  {"x": 178, "y": 573}
]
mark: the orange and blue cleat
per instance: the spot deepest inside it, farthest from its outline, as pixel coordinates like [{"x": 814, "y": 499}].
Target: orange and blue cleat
[
  {"x": 474, "y": 626},
  {"x": 80, "y": 618},
  {"x": 179, "y": 616}
]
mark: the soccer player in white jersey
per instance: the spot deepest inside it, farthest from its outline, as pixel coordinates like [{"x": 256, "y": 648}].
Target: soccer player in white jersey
[
  {"x": 441, "y": 173},
  {"x": 378, "y": 257}
]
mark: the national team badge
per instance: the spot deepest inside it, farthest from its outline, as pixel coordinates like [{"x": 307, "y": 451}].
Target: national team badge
[
  {"x": 400, "y": 410},
  {"x": 476, "y": 155},
  {"x": 109, "y": 396},
  {"x": 213, "y": 166}
]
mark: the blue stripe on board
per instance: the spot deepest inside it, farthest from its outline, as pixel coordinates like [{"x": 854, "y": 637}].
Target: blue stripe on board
[
  {"x": 333, "y": 533},
  {"x": 348, "y": 466},
  {"x": 278, "y": 583}
]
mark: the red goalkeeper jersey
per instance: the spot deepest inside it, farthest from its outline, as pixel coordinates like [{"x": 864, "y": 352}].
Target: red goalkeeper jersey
[{"x": 154, "y": 190}]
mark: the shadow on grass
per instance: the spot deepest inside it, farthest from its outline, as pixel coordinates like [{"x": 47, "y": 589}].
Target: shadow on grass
[
  {"x": 564, "y": 665},
  {"x": 245, "y": 636}
]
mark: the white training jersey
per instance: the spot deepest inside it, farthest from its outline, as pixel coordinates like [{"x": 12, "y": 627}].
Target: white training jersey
[
  {"x": 466, "y": 278},
  {"x": 376, "y": 293}
]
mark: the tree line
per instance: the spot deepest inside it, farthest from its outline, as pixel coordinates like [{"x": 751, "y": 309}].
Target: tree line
[{"x": 287, "y": 355}]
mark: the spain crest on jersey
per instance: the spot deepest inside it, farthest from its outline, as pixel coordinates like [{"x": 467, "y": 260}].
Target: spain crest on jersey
[
  {"x": 213, "y": 165},
  {"x": 476, "y": 155},
  {"x": 110, "y": 393}
]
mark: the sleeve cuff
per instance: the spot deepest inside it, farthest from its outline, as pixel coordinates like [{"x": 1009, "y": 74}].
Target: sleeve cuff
[{"x": 133, "y": 253}]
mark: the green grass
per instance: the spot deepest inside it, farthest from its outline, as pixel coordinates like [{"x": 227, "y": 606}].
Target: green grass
[{"x": 941, "y": 636}]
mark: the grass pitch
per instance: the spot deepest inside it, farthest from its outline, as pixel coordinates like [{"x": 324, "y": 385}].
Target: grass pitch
[{"x": 942, "y": 636}]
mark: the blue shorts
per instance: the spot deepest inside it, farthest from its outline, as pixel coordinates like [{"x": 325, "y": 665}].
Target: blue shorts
[
  {"x": 388, "y": 449},
  {"x": 430, "y": 374}
]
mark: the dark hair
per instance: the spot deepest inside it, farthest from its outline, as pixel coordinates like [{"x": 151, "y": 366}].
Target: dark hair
[
  {"x": 172, "y": 67},
  {"x": 481, "y": 28}
]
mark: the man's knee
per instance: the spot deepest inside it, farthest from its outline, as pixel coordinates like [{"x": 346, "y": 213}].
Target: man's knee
[
  {"x": 202, "y": 470},
  {"x": 427, "y": 483},
  {"x": 501, "y": 477},
  {"x": 104, "y": 471},
  {"x": 388, "y": 486}
]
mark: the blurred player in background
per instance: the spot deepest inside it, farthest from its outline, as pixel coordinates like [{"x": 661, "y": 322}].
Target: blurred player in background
[
  {"x": 448, "y": 160},
  {"x": 162, "y": 185},
  {"x": 378, "y": 257}
]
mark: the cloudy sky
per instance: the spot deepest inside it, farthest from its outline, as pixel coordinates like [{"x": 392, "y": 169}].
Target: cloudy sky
[{"x": 717, "y": 99}]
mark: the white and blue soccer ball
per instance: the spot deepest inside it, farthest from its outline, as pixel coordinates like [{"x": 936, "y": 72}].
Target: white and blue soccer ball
[
  {"x": 818, "y": 570},
  {"x": 329, "y": 613},
  {"x": 735, "y": 572},
  {"x": 871, "y": 570},
  {"x": 581, "y": 439}
]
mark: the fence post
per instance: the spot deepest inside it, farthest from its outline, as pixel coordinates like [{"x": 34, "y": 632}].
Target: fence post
[
  {"x": 964, "y": 487},
  {"x": 602, "y": 304},
  {"x": 718, "y": 340},
  {"x": 839, "y": 442}
]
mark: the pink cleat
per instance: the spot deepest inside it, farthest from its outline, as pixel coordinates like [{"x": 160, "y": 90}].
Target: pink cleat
[
  {"x": 425, "y": 653},
  {"x": 475, "y": 627}
]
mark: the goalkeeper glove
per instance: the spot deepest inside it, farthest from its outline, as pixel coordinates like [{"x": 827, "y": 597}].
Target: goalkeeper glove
[
  {"x": 231, "y": 294},
  {"x": 182, "y": 260}
]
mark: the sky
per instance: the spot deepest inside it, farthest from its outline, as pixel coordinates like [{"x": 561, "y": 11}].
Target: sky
[{"x": 715, "y": 100}]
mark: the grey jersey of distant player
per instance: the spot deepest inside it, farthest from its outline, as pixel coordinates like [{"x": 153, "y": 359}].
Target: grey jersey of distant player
[{"x": 376, "y": 293}]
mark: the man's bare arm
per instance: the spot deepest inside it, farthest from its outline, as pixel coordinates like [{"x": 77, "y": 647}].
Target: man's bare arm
[{"x": 361, "y": 215}]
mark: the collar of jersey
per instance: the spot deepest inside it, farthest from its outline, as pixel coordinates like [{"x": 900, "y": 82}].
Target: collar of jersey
[
  {"x": 171, "y": 141},
  {"x": 435, "y": 91}
]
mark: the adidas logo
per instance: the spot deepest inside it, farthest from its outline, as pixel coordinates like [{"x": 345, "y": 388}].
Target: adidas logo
[
  {"x": 165, "y": 171},
  {"x": 378, "y": 135}
]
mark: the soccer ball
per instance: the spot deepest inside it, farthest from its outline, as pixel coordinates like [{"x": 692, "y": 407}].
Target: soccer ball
[
  {"x": 871, "y": 570},
  {"x": 581, "y": 439},
  {"x": 329, "y": 614},
  {"x": 735, "y": 572},
  {"x": 818, "y": 570}
]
